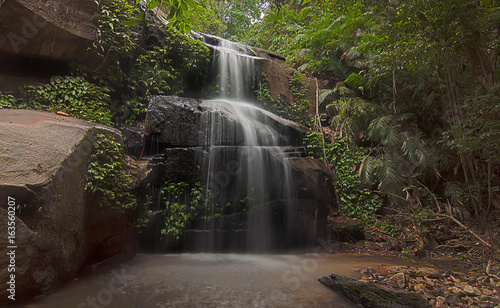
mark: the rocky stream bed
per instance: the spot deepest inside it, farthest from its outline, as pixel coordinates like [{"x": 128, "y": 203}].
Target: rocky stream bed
[{"x": 465, "y": 275}]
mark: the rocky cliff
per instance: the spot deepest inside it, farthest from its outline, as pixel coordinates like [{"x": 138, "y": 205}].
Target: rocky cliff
[{"x": 39, "y": 38}]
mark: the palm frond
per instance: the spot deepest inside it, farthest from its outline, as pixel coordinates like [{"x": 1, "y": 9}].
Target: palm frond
[
  {"x": 379, "y": 126},
  {"x": 355, "y": 80},
  {"x": 367, "y": 170},
  {"x": 388, "y": 174},
  {"x": 352, "y": 53},
  {"x": 324, "y": 94}
]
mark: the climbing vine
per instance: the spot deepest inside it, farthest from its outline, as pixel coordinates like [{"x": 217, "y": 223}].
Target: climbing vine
[
  {"x": 7, "y": 101},
  {"x": 169, "y": 67},
  {"x": 114, "y": 34},
  {"x": 184, "y": 204},
  {"x": 301, "y": 105},
  {"x": 356, "y": 199},
  {"x": 107, "y": 178}
]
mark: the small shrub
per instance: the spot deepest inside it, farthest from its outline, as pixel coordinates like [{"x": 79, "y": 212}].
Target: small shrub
[{"x": 185, "y": 204}]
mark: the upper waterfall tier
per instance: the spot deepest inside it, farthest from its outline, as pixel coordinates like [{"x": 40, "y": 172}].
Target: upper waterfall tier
[{"x": 181, "y": 122}]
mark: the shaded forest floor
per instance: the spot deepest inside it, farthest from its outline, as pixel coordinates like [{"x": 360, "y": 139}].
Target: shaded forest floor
[{"x": 470, "y": 277}]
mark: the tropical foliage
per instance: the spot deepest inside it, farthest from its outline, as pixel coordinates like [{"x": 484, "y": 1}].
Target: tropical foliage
[
  {"x": 72, "y": 95},
  {"x": 412, "y": 82}
]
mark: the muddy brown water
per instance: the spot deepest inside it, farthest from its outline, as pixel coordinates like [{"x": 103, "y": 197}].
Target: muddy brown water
[{"x": 214, "y": 280}]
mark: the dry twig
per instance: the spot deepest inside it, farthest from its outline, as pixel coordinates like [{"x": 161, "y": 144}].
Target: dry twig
[{"x": 466, "y": 228}]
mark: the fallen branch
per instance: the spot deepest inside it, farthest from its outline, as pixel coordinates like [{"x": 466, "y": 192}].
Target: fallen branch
[
  {"x": 466, "y": 228},
  {"x": 488, "y": 271}
]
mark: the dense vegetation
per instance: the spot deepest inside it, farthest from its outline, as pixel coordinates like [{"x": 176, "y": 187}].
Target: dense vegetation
[
  {"x": 409, "y": 96},
  {"x": 415, "y": 82}
]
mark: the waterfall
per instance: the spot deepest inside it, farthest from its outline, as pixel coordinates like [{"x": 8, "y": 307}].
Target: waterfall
[
  {"x": 260, "y": 192},
  {"x": 241, "y": 137},
  {"x": 236, "y": 71}
]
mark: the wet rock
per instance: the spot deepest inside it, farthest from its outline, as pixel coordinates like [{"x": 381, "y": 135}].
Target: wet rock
[
  {"x": 373, "y": 295},
  {"x": 366, "y": 272},
  {"x": 429, "y": 282},
  {"x": 172, "y": 122},
  {"x": 457, "y": 291},
  {"x": 181, "y": 122},
  {"x": 440, "y": 302},
  {"x": 454, "y": 300},
  {"x": 429, "y": 294},
  {"x": 133, "y": 140},
  {"x": 487, "y": 292},
  {"x": 471, "y": 291},
  {"x": 346, "y": 229},
  {"x": 488, "y": 299},
  {"x": 314, "y": 181},
  {"x": 397, "y": 281}
]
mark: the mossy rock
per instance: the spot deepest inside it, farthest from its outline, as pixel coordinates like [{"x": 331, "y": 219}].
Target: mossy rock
[
  {"x": 347, "y": 229},
  {"x": 373, "y": 295}
]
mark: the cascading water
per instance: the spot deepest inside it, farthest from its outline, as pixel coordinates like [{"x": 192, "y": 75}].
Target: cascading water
[
  {"x": 260, "y": 192},
  {"x": 261, "y": 175}
]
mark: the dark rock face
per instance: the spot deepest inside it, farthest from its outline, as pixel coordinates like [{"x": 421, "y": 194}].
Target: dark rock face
[
  {"x": 191, "y": 141},
  {"x": 182, "y": 122},
  {"x": 39, "y": 38},
  {"x": 173, "y": 121},
  {"x": 133, "y": 139},
  {"x": 56, "y": 29},
  {"x": 59, "y": 229}
]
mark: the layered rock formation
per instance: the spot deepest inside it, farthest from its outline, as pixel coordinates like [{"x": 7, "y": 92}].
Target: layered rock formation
[{"x": 190, "y": 141}]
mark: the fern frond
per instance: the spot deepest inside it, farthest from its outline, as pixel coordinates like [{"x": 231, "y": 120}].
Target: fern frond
[
  {"x": 388, "y": 174},
  {"x": 352, "y": 54},
  {"x": 344, "y": 91},
  {"x": 379, "y": 126}
]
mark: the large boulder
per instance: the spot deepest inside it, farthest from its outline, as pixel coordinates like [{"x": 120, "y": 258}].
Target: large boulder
[
  {"x": 59, "y": 229},
  {"x": 184, "y": 122}
]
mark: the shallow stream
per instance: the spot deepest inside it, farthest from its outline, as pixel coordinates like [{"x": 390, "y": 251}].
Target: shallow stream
[{"x": 214, "y": 280}]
